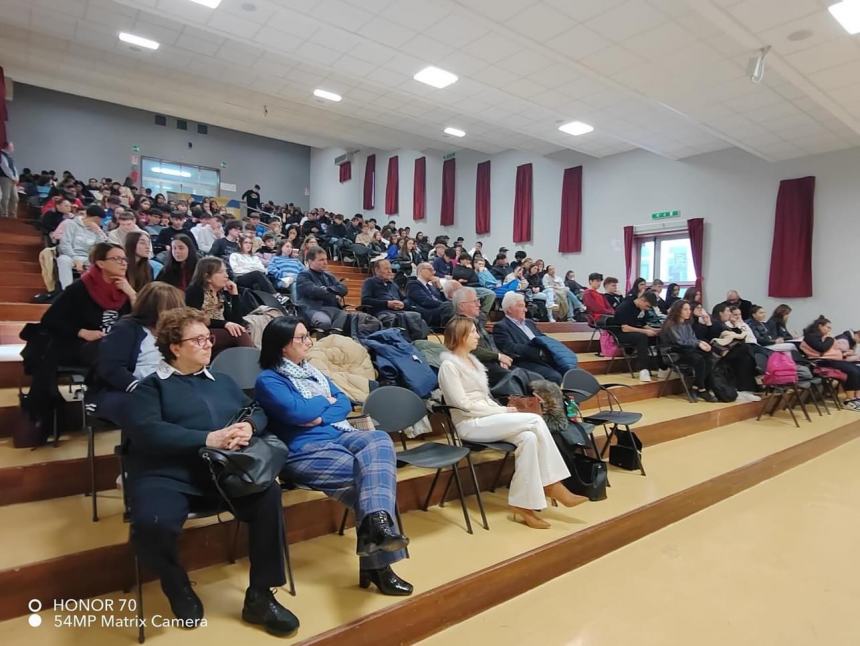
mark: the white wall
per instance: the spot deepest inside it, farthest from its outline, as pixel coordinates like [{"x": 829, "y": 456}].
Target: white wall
[{"x": 733, "y": 191}]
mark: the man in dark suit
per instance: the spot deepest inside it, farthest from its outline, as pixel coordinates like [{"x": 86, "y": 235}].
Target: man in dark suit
[
  {"x": 514, "y": 336},
  {"x": 733, "y": 299},
  {"x": 381, "y": 297},
  {"x": 424, "y": 294},
  {"x": 320, "y": 293}
]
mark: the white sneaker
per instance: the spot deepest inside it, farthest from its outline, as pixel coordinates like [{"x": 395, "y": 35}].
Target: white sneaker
[
  {"x": 747, "y": 396},
  {"x": 644, "y": 375},
  {"x": 663, "y": 373}
]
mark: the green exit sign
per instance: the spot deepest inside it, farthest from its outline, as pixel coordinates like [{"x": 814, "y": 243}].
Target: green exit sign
[{"x": 662, "y": 215}]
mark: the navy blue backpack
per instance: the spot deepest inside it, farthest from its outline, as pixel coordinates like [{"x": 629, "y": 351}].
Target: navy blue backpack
[{"x": 398, "y": 362}]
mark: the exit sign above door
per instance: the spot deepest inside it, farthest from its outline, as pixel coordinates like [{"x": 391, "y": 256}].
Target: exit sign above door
[{"x": 662, "y": 215}]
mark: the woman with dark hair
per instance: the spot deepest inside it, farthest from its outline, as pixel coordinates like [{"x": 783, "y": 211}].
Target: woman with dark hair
[
  {"x": 819, "y": 345},
  {"x": 678, "y": 334},
  {"x": 181, "y": 262},
  {"x": 180, "y": 409},
  {"x": 129, "y": 353},
  {"x": 693, "y": 295},
  {"x": 141, "y": 266},
  {"x": 638, "y": 288},
  {"x": 212, "y": 291},
  {"x": 673, "y": 293},
  {"x": 570, "y": 281},
  {"x": 423, "y": 245},
  {"x": 409, "y": 254},
  {"x": 357, "y": 468},
  {"x": 777, "y": 324}
]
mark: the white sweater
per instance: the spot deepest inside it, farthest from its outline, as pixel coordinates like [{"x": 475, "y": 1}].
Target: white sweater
[
  {"x": 243, "y": 264},
  {"x": 464, "y": 385}
]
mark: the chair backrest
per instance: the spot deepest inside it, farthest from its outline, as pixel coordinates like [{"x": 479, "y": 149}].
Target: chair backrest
[
  {"x": 394, "y": 408},
  {"x": 579, "y": 379},
  {"x": 242, "y": 364}
]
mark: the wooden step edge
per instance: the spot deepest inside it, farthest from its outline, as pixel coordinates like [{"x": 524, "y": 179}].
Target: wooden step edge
[{"x": 418, "y": 617}]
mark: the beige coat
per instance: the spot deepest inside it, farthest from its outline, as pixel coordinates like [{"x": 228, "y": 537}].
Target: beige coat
[
  {"x": 464, "y": 385},
  {"x": 346, "y": 363}
]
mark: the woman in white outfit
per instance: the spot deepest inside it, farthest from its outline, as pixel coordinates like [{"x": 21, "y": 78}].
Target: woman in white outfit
[{"x": 539, "y": 467}]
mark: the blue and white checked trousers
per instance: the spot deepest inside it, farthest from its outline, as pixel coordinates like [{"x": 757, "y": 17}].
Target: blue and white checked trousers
[{"x": 357, "y": 469}]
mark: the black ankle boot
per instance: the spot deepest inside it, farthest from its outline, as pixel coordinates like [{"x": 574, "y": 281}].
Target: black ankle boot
[
  {"x": 386, "y": 580},
  {"x": 184, "y": 602},
  {"x": 262, "y": 608},
  {"x": 376, "y": 532}
]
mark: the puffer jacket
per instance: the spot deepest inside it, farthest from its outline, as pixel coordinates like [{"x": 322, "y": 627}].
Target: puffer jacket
[{"x": 346, "y": 363}]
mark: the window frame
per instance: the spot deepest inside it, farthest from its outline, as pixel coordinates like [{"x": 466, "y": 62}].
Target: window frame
[
  {"x": 657, "y": 238},
  {"x": 199, "y": 167}
]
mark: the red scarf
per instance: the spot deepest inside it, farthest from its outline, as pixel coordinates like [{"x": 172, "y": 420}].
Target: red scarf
[{"x": 105, "y": 294}]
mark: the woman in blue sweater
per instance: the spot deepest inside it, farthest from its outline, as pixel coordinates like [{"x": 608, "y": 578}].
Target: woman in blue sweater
[
  {"x": 678, "y": 334},
  {"x": 357, "y": 468}
]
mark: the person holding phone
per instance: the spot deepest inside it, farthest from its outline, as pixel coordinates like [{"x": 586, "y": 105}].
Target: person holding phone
[{"x": 285, "y": 266}]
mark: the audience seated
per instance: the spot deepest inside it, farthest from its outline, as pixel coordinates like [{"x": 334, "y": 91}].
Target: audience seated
[
  {"x": 673, "y": 293},
  {"x": 693, "y": 295},
  {"x": 464, "y": 274},
  {"x": 657, "y": 288},
  {"x": 320, "y": 293},
  {"x": 285, "y": 266},
  {"x": 596, "y": 304},
  {"x": 203, "y": 232},
  {"x": 126, "y": 223},
  {"x": 167, "y": 479},
  {"x": 515, "y": 336},
  {"x": 180, "y": 263},
  {"x": 762, "y": 335},
  {"x": 562, "y": 293},
  {"x": 640, "y": 286},
  {"x": 79, "y": 236},
  {"x": 129, "y": 353},
  {"x": 248, "y": 269},
  {"x": 268, "y": 249},
  {"x": 142, "y": 268},
  {"x": 443, "y": 263},
  {"x": 820, "y": 345},
  {"x": 538, "y": 467},
  {"x": 52, "y": 219},
  {"x": 633, "y": 328},
  {"x": 678, "y": 335},
  {"x": 424, "y": 294},
  {"x": 381, "y": 297},
  {"x": 212, "y": 292},
  {"x": 500, "y": 267},
  {"x": 730, "y": 345},
  {"x": 611, "y": 293},
  {"x": 357, "y": 468},
  {"x": 165, "y": 237},
  {"x": 732, "y": 299}
]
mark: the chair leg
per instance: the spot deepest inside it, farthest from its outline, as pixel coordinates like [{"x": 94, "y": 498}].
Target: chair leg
[
  {"x": 343, "y": 521},
  {"x": 813, "y": 397},
  {"x": 445, "y": 493},
  {"x": 430, "y": 491},
  {"x": 400, "y": 525},
  {"x": 789, "y": 405},
  {"x": 456, "y": 473},
  {"x": 478, "y": 492},
  {"x": 141, "y": 633},
  {"x": 798, "y": 395},
  {"x": 822, "y": 394},
  {"x": 499, "y": 473},
  {"x": 287, "y": 562},
  {"x": 609, "y": 436},
  {"x": 91, "y": 460},
  {"x": 233, "y": 541}
]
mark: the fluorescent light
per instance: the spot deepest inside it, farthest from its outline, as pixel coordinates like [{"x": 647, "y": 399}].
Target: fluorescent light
[
  {"x": 847, "y": 13},
  {"x": 436, "y": 77},
  {"x": 325, "y": 94},
  {"x": 212, "y": 4},
  {"x": 575, "y": 128},
  {"x": 140, "y": 41},
  {"x": 171, "y": 172},
  {"x": 454, "y": 132}
]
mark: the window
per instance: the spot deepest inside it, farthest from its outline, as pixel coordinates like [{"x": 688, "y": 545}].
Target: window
[
  {"x": 171, "y": 177},
  {"x": 667, "y": 257}
]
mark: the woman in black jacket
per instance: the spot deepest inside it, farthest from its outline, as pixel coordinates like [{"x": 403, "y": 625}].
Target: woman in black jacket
[
  {"x": 673, "y": 293},
  {"x": 212, "y": 291},
  {"x": 180, "y": 409},
  {"x": 777, "y": 324},
  {"x": 819, "y": 344},
  {"x": 129, "y": 353},
  {"x": 181, "y": 262}
]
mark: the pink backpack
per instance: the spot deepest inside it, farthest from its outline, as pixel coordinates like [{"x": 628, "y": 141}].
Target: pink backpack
[
  {"x": 781, "y": 370},
  {"x": 608, "y": 347}
]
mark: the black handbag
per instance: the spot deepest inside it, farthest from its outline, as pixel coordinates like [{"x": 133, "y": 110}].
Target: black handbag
[
  {"x": 624, "y": 454},
  {"x": 588, "y": 476},
  {"x": 249, "y": 470}
]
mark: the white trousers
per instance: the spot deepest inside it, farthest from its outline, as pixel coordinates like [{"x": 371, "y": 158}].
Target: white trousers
[{"x": 537, "y": 460}]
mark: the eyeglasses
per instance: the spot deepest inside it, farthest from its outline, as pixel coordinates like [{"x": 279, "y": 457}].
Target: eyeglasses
[
  {"x": 118, "y": 260},
  {"x": 306, "y": 339},
  {"x": 200, "y": 341}
]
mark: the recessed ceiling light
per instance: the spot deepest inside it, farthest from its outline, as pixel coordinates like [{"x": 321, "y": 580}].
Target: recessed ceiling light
[
  {"x": 575, "y": 128},
  {"x": 800, "y": 34},
  {"x": 249, "y": 6},
  {"x": 140, "y": 41},
  {"x": 325, "y": 94},
  {"x": 847, "y": 13},
  {"x": 212, "y": 4},
  {"x": 436, "y": 77},
  {"x": 454, "y": 132}
]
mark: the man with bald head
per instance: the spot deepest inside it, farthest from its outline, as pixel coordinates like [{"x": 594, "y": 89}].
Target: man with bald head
[
  {"x": 381, "y": 297},
  {"x": 733, "y": 299},
  {"x": 424, "y": 294}
]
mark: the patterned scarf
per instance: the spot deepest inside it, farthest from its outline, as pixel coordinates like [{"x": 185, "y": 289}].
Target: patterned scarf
[{"x": 310, "y": 382}]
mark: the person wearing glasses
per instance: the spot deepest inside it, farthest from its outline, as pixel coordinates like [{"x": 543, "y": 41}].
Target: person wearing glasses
[
  {"x": 357, "y": 468},
  {"x": 179, "y": 409},
  {"x": 212, "y": 291}
]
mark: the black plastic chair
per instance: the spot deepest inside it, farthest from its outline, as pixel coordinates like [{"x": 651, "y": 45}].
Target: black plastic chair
[
  {"x": 628, "y": 352},
  {"x": 198, "y": 513},
  {"x": 582, "y": 386},
  {"x": 241, "y": 364},
  {"x": 395, "y": 409},
  {"x": 677, "y": 365}
]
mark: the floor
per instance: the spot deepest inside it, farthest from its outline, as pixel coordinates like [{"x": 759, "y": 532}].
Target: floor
[
  {"x": 441, "y": 550},
  {"x": 774, "y": 565}
]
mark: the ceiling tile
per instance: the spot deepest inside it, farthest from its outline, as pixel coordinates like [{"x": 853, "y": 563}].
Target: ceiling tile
[
  {"x": 836, "y": 77},
  {"x": 610, "y": 61},
  {"x": 239, "y": 54},
  {"x": 387, "y": 33},
  {"x": 624, "y": 21},
  {"x": 372, "y": 53},
  {"x": 540, "y": 22},
  {"x": 294, "y": 23},
  {"x": 525, "y": 62},
  {"x": 233, "y": 25},
  {"x": 340, "y": 14},
  {"x": 317, "y": 54},
  {"x": 415, "y": 14},
  {"x": 492, "y": 47},
  {"x": 457, "y": 30},
  {"x": 759, "y": 15},
  {"x": 578, "y": 42},
  {"x": 829, "y": 54},
  {"x": 583, "y": 10},
  {"x": 276, "y": 40}
]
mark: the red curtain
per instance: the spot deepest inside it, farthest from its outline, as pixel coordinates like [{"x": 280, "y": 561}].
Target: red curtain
[
  {"x": 392, "y": 192},
  {"x": 448, "y": 180},
  {"x": 482, "y": 198},
  {"x": 370, "y": 182},
  {"x": 628, "y": 258},
  {"x": 523, "y": 204},
  {"x": 791, "y": 253},
  {"x": 3, "y": 114},
  {"x": 345, "y": 172},
  {"x": 570, "y": 233},
  {"x": 696, "y": 231},
  {"x": 419, "y": 187}
]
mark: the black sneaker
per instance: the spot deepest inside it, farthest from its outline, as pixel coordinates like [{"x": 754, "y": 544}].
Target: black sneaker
[
  {"x": 184, "y": 602},
  {"x": 261, "y": 608},
  {"x": 708, "y": 396}
]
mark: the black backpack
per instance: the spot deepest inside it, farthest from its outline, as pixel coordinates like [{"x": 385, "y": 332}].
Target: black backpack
[{"x": 723, "y": 383}]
